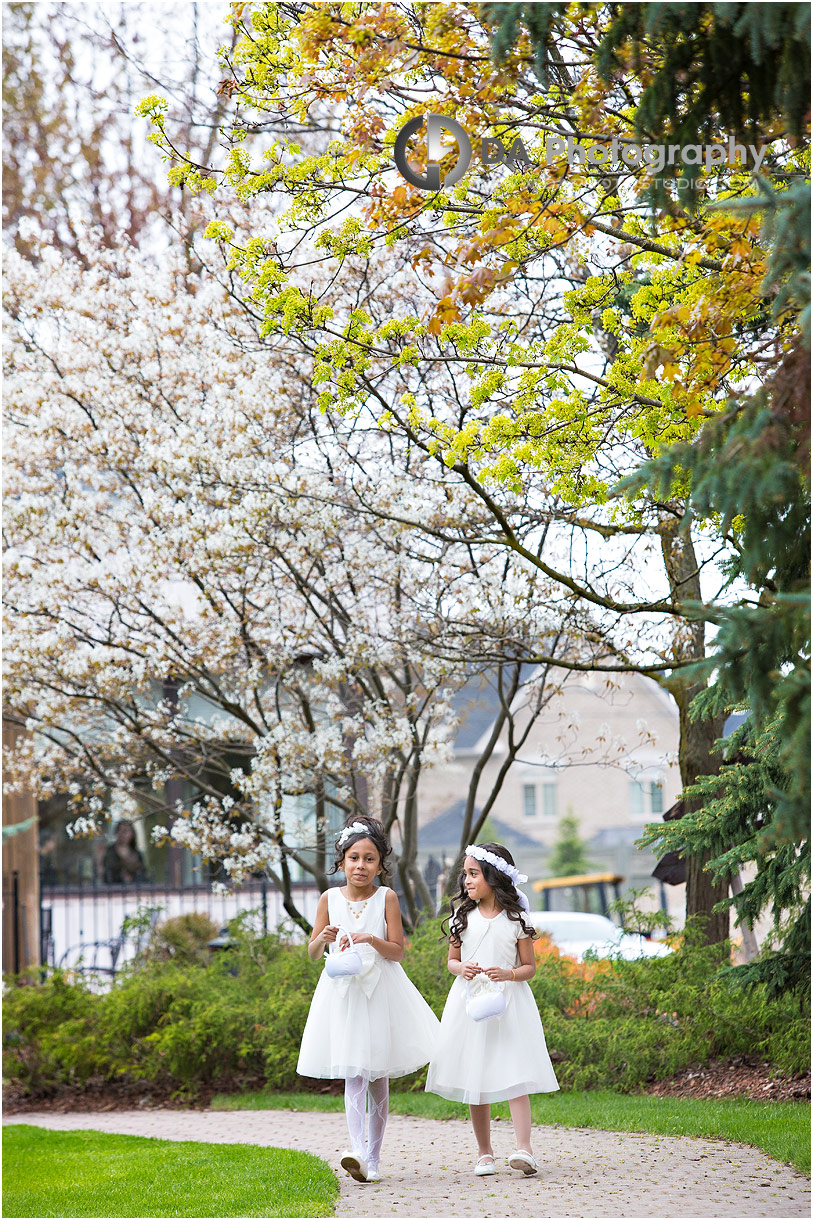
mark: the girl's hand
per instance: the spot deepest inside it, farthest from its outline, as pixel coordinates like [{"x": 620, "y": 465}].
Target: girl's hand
[
  {"x": 470, "y": 970},
  {"x": 329, "y": 934},
  {"x": 498, "y": 975},
  {"x": 360, "y": 938}
]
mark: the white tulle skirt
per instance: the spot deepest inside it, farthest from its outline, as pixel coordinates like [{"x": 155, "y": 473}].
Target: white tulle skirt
[
  {"x": 483, "y": 1061},
  {"x": 376, "y": 1024}
]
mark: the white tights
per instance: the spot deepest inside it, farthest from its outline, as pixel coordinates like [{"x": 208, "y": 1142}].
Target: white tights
[{"x": 357, "y": 1090}]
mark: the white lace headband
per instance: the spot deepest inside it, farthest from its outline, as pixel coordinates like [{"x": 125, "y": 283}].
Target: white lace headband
[
  {"x": 354, "y": 828},
  {"x": 513, "y": 874}
]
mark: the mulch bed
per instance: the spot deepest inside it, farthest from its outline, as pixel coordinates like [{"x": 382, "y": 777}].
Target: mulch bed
[
  {"x": 139, "y": 1095},
  {"x": 106, "y": 1096},
  {"x": 745, "y": 1076}
]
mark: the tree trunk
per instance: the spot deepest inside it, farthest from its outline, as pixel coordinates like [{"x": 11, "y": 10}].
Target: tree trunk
[
  {"x": 416, "y": 892},
  {"x": 750, "y": 945},
  {"x": 696, "y": 740},
  {"x": 421, "y": 890},
  {"x": 290, "y": 907},
  {"x": 696, "y": 736},
  {"x": 21, "y": 882}
]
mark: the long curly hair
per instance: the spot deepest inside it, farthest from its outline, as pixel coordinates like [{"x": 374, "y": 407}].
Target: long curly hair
[
  {"x": 504, "y": 892},
  {"x": 374, "y": 831}
]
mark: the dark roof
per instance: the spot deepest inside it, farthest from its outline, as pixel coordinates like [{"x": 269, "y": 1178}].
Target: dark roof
[
  {"x": 444, "y": 830},
  {"x": 477, "y": 704},
  {"x": 615, "y": 836}
]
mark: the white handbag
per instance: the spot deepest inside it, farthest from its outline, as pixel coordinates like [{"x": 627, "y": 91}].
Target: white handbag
[
  {"x": 487, "y": 1001},
  {"x": 338, "y": 964}
]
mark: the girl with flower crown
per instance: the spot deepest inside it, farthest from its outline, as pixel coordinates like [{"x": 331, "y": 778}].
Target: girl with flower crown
[
  {"x": 501, "y": 1057},
  {"x": 370, "y": 1024}
]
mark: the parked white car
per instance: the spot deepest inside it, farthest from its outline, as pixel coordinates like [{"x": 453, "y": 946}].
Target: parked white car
[{"x": 575, "y": 934}]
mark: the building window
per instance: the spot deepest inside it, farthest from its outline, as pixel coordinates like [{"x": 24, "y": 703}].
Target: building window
[
  {"x": 637, "y": 799},
  {"x": 299, "y": 826},
  {"x": 646, "y": 799},
  {"x": 539, "y": 799}
]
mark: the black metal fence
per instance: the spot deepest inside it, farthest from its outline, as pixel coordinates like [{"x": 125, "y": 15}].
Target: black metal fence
[{"x": 97, "y": 928}]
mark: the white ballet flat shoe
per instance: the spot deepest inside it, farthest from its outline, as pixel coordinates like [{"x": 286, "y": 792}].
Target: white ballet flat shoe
[
  {"x": 356, "y": 1166},
  {"x": 485, "y": 1166},
  {"x": 523, "y": 1160},
  {"x": 372, "y": 1174}
]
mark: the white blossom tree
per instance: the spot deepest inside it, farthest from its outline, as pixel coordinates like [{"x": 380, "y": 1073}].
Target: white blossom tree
[{"x": 214, "y": 598}]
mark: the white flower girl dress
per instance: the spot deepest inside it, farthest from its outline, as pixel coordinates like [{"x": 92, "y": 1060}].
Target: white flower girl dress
[{"x": 375, "y": 1023}]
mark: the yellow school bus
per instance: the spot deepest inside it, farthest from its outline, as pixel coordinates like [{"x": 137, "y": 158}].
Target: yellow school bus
[{"x": 588, "y": 891}]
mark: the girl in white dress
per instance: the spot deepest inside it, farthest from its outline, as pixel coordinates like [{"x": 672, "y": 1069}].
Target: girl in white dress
[
  {"x": 503, "y": 1057},
  {"x": 368, "y": 1026}
]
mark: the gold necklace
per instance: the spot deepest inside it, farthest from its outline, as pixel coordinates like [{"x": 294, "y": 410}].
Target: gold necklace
[{"x": 357, "y": 914}]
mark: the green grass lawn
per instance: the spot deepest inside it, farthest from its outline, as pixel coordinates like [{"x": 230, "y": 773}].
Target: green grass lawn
[
  {"x": 89, "y": 1173},
  {"x": 782, "y": 1129}
]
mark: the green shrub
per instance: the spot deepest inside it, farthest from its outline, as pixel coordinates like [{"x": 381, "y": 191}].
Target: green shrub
[
  {"x": 622, "y": 1024},
  {"x": 183, "y": 939},
  {"x": 236, "y": 1021},
  {"x": 51, "y": 1032}
]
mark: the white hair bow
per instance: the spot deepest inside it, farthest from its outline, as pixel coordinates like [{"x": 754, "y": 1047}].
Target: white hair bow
[{"x": 354, "y": 829}]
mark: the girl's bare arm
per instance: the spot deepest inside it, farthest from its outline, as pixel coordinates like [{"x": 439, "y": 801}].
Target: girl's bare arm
[
  {"x": 323, "y": 933},
  {"x": 521, "y": 973},
  {"x": 466, "y": 970}
]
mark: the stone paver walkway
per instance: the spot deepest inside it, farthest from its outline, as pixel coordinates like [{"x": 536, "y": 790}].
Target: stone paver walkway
[{"x": 427, "y": 1166}]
